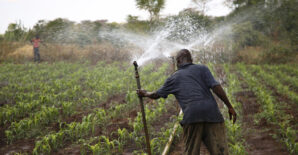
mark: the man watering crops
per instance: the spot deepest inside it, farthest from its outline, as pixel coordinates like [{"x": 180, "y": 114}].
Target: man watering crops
[
  {"x": 35, "y": 42},
  {"x": 202, "y": 119}
]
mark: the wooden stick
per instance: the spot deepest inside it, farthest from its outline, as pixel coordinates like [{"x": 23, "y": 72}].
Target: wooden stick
[
  {"x": 142, "y": 109},
  {"x": 169, "y": 143}
]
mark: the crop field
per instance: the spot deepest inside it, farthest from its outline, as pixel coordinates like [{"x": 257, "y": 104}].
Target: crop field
[{"x": 75, "y": 108}]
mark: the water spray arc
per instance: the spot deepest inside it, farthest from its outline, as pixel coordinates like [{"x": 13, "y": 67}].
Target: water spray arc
[
  {"x": 142, "y": 109},
  {"x": 164, "y": 41}
]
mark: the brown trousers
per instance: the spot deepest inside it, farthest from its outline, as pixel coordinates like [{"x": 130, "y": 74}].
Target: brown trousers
[{"x": 212, "y": 134}]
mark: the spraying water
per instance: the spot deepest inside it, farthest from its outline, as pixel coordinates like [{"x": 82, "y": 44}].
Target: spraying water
[{"x": 177, "y": 33}]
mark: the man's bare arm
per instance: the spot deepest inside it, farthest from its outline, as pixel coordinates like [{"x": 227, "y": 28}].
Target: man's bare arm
[
  {"x": 144, "y": 93},
  {"x": 218, "y": 90}
]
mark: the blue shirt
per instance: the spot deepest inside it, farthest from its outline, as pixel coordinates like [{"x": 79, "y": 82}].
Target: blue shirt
[{"x": 191, "y": 86}]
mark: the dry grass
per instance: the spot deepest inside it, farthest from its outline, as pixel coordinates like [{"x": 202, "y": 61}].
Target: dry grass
[
  {"x": 23, "y": 52},
  {"x": 7, "y": 47},
  {"x": 71, "y": 52},
  {"x": 250, "y": 55}
]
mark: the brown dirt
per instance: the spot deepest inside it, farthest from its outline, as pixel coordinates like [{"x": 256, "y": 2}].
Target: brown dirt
[
  {"x": 3, "y": 103},
  {"x": 171, "y": 111},
  {"x": 111, "y": 128},
  {"x": 71, "y": 149},
  {"x": 289, "y": 108},
  {"x": 2, "y": 135},
  {"x": 119, "y": 99},
  {"x": 257, "y": 136},
  {"x": 24, "y": 146},
  {"x": 114, "y": 124},
  {"x": 156, "y": 126}
]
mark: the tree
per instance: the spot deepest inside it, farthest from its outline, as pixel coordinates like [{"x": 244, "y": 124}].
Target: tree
[
  {"x": 15, "y": 32},
  {"x": 187, "y": 25},
  {"x": 39, "y": 27},
  {"x": 152, "y": 6},
  {"x": 132, "y": 19},
  {"x": 201, "y": 5},
  {"x": 59, "y": 30},
  {"x": 275, "y": 18}
]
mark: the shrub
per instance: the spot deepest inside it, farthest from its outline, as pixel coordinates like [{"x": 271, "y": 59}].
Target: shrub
[{"x": 279, "y": 53}]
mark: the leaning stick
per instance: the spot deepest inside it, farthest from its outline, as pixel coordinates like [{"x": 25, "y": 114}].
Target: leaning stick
[
  {"x": 142, "y": 108},
  {"x": 169, "y": 143}
]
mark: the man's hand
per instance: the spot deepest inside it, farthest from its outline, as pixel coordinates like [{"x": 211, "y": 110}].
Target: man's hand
[
  {"x": 141, "y": 92},
  {"x": 218, "y": 90},
  {"x": 144, "y": 93},
  {"x": 232, "y": 114}
]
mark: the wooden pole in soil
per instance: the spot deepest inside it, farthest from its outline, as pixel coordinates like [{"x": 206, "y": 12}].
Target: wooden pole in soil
[{"x": 142, "y": 109}]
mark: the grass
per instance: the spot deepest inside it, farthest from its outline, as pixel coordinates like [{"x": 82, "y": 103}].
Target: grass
[{"x": 51, "y": 52}]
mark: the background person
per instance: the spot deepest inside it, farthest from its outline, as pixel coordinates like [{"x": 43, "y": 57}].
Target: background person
[{"x": 36, "y": 42}]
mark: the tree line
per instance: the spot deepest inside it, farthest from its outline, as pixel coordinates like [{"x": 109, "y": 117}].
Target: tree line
[{"x": 269, "y": 26}]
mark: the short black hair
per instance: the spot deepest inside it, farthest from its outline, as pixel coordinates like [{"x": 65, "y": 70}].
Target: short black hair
[{"x": 185, "y": 54}]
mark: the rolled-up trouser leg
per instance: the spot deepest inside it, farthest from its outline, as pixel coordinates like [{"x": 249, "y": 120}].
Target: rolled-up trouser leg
[
  {"x": 192, "y": 137},
  {"x": 214, "y": 137},
  {"x": 36, "y": 54}
]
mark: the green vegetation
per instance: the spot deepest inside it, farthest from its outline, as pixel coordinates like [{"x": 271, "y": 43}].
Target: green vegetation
[
  {"x": 82, "y": 97},
  {"x": 259, "y": 31},
  {"x": 272, "y": 110},
  {"x": 152, "y": 6},
  {"x": 77, "y": 103},
  {"x": 96, "y": 108}
]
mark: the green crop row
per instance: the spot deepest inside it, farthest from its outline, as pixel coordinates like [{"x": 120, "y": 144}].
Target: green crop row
[
  {"x": 272, "y": 81},
  {"x": 291, "y": 81},
  {"x": 21, "y": 129},
  {"x": 153, "y": 112},
  {"x": 102, "y": 89},
  {"x": 290, "y": 69},
  {"x": 271, "y": 110},
  {"x": 235, "y": 132}
]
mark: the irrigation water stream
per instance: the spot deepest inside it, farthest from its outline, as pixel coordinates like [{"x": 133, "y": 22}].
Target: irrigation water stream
[{"x": 176, "y": 34}]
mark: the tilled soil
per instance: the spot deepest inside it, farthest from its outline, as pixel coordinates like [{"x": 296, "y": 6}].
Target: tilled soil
[{"x": 257, "y": 136}]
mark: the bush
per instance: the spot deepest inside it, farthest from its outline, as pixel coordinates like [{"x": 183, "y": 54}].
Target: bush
[
  {"x": 279, "y": 53},
  {"x": 245, "y": 35},
  {"x": 249, "y": 55}
]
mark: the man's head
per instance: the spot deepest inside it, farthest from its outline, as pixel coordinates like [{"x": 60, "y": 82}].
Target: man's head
[
  {"x": 37, "y": 36},
  {"x": 183, "y": 56}
]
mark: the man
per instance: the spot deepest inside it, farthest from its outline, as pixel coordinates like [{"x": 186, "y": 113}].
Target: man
[
  {"x": 35, "y": 42},
  {"x": 202, "y": 119}
]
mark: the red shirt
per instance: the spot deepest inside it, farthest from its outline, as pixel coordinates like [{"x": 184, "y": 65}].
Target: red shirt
[{"x": 36, "y": 42}]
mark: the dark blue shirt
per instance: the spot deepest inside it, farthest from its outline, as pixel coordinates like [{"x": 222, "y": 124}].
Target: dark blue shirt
[{"x": 191, "y": 86}]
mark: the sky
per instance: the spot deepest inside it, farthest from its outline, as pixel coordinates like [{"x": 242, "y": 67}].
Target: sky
[{"x": 28, "y": 12}]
